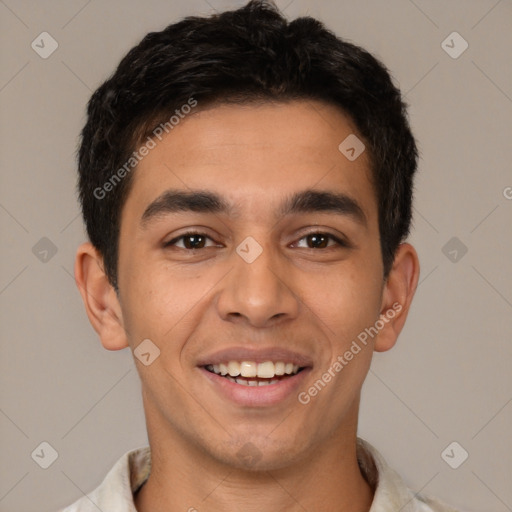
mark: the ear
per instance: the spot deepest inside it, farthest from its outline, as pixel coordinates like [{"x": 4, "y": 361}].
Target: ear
[
  {"x": 397, "y": 296},
  {"x": 100, "y": 298}
]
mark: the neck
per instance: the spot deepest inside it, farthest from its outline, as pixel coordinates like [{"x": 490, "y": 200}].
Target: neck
[{"x": 185, "y": 478}]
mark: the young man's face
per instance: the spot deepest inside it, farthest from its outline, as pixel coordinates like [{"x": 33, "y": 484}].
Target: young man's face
[{"x": 259, "y": 286}]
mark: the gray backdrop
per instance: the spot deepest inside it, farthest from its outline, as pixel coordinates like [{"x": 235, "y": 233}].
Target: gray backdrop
[{"x": 449, "y": 377}]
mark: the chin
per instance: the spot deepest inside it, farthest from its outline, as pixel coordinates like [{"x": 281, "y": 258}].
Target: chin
[{"x": 253, "y": 454}]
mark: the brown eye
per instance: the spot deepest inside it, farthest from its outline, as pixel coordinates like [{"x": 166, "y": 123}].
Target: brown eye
[
  {"x": 321, "y": 241},
  {"x": 191, "y": 240},
  {"x": 318, "y": 240}
]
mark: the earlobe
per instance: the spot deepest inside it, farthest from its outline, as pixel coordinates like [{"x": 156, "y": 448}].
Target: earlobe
[
  {"x": 100, "y": 298},
  {"x": 397, "y": 296}
]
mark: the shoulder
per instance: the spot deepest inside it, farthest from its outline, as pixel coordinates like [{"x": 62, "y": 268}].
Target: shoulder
[
  {"x": 116, "y": 490},
  {"x": 428, "y": 504},
  {"x": 390, "y": 491}
]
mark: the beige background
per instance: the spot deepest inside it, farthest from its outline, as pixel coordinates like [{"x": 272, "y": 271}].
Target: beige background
[{"x": 449, "y": 377}]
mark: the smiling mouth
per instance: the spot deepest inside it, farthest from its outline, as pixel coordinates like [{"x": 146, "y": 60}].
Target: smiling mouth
[{"x": 250, "y": 373}]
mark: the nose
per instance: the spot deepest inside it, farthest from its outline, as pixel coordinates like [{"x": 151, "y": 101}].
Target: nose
[{"x": 259, "y": 292}]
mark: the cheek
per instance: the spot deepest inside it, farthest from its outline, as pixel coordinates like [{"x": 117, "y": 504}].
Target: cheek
[
  {"x": 162, "y": 304},
  {"x": 347, "y": 299},
  {"x": 349, "y": 304}
]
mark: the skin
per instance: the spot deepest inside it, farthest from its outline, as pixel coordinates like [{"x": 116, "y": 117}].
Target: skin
[{"x": 310, "y": 298}]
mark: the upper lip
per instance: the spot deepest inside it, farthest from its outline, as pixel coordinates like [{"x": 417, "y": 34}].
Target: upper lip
[{"x": 257, "y": 355}]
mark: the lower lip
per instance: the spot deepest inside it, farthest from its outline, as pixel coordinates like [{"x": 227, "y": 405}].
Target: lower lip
[{"x": 256, "y": 396}]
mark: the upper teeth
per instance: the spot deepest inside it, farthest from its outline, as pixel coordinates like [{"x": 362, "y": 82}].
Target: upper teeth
[{"x": 265, "y": 370}]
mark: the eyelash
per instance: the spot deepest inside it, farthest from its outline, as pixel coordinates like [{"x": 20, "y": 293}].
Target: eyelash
[{"x": 339, "y": 242}]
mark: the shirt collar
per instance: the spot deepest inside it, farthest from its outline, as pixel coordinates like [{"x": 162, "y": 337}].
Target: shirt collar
[{"x": 116, "y": 492}]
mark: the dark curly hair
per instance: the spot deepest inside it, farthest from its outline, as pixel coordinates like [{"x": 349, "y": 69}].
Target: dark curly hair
[{"x": 241, "y": 56}]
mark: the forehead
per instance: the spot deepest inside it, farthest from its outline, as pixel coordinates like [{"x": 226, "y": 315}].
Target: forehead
[{"x": 254, "y": 154}]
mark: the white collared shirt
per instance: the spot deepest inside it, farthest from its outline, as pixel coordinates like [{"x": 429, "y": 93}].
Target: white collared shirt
[{"x": 115, "y": 494}]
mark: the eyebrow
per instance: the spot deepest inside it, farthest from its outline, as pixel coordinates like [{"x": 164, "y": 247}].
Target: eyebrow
[{"x": 205, "y": 201}]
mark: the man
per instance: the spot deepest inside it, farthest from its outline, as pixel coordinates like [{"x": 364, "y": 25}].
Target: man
[{"x": 246, "y": 184}]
